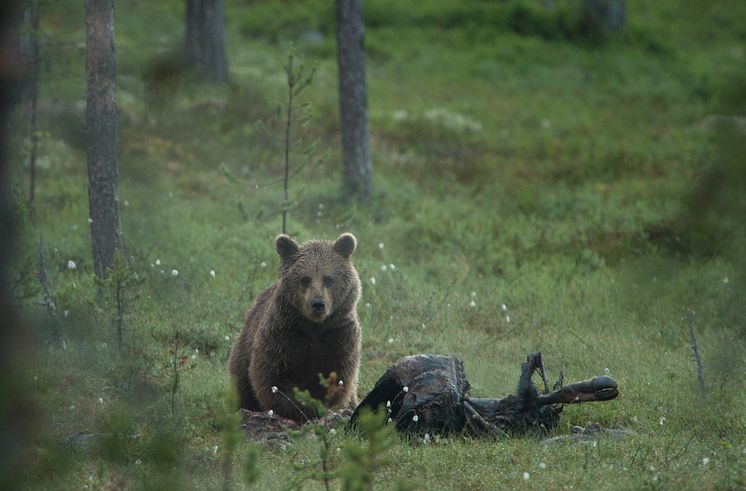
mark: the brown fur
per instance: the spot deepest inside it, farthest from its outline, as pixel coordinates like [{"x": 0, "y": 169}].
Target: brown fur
[{"x": 285, "y": 343}]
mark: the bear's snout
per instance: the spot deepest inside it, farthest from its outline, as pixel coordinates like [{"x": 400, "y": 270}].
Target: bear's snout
[{"x": 318, "y": 306}]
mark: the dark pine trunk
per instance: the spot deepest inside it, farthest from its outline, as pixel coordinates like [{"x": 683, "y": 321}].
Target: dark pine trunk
[
  {"x": 101, "y": 121},
  {"x": 603, "y": 16},
  {"x": 204, "y": 45},
  {"x": 353, "y": 103}
]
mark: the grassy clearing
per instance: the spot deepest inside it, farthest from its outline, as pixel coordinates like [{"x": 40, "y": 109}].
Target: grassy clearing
[{"x": 546, "y": 173}]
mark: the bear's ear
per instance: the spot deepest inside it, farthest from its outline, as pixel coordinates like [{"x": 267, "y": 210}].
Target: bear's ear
[
  {"x": 286, "y": 247},
  {"x": 345, "y": 245}
]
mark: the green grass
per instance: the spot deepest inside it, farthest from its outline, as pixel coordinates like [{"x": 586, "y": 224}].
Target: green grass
[{"x": 569, "y": 179}]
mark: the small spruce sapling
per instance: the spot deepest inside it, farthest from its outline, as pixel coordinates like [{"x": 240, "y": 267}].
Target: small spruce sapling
[
  {"x": 365, "y": 457},
  {"x": 120, "y": 285},
  {"x": 320, "y": 470},
  {"x": 229, "y": 423},
  {"x": 297, "y": 80}
]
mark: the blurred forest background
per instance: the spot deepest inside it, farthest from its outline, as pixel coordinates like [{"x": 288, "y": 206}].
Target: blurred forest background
[{"x": 564, "y": 176}]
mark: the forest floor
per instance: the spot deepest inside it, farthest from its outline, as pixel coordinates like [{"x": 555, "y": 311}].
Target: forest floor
[{"x": 534, "y": 191}]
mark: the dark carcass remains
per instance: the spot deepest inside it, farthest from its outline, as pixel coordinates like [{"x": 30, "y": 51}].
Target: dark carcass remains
[{"x": 428, "y": 393}]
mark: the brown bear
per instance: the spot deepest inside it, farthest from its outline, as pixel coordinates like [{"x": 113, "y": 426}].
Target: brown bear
[{"x": 304, "y": 325}]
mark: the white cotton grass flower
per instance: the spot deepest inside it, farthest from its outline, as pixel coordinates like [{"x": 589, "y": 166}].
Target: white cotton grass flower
[
  {"x": 473, "y": 294},
  {"x": 90, "y": 220},
  {"x": 341, "y": 383},
  {"x": 388, "y": 403},
  {"x": 391, "y": 340},
  {"x": 384, "y": 268},
  {"x": 415, "y": 418},
  {"x": 662, "y": 420},
  {"x": 367, "y": 305},
  {"x": 270, "y": 413},
  {"x": 138, "y": 462},
  {"x": 174, "y": 273},
  {"x": 405, "y": 389},
  {"x": 705, "y": 460},
  {"x": 215, "y": 450},
  {"x": 227, "y": 338},
  {"x": 392, "y": 267},
  {"x": 725, "y": 280},
  {"x": 263, "y": 264},
  {"x": 373, "y": 280},
  {"x": 274, "y": 389},
  {"x": 526, "y": 476},
  {"x": 542, "y": 465},
  {"x": 126, "y": 203},
  {"x": 157, "y": 262},
  {"x": 504, "y": 307},
  {"x": 66, "y": 313},
  {"x": 71, "y": 265},
  {"x": 100, "y": 400},
  {"x": 507, "y": 318},
  {"x": 332, "y": 432},
  {"x": 472, "y": 304},
  {"x": 380, "y": 245},
  {"x": 389, "y": 420},
  {"x": 212, "y": 273}
]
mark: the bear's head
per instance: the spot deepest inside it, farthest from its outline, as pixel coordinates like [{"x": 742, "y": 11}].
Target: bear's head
[{"x": 317, "y": 278}]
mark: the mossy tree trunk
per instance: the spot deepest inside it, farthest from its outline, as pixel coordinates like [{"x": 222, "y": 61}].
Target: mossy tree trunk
[
  {"x": 204, "y": 44},
  {"x": 101, "y": 122},
  {"x": 353, "y": 103}
]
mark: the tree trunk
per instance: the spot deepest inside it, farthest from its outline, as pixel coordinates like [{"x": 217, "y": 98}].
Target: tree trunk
[
  {"x": 101, "y": 121},
  {"x": 353, "y": 104},
  {"x": 604, "y": 16},
  {"x": 205, "y": 48}
]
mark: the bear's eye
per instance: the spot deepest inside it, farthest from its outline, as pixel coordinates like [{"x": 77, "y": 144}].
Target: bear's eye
[
  {"x": 305, "y": 281},
  {"x": 328, "y": 281}
]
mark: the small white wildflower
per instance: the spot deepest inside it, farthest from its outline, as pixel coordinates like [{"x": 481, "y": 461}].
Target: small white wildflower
[
  {"x": 423, "y": 326},
  {"x": 126, "y": 203},
  {"x": 400, "y": 115},
  {"x": 705, "y": 460},
  {"x": 606, "y": 370},
  {"x": 725, "y": 280},
  {"x": 546, "y": 124},
  {"x": 270, "y": 413},
  {"x": 215, "y": 450},
  {"x": 332, "y": 432},
  {"x": 389, "y": 420},
  {"x": 472, "y": 304},
  {"x": 507, "y": 318},
  {"x": 504, "y": 307},
  {"x": 392, "y": 267},
  {"x": 321, "y": 206},
  {"x": 212, "y": 273},
  {"x": 170, "y": 194},
  {"x": 380, "y": 245},
  {"x": 263, "y": 264},
  {"x": 67, "y": 312},
  {"x": 405, "y": 389},
  {"x": 526, "y": 476},
  {"x": 274, "y": 389},
  {"x": 367, "y": 305},
  {"x": 542, "y": 465},
  {"x": 426, "y": 438},
  {"x": 227, "y": 338},
  {"x": 415, "y": 418},
  {"x": 594, "y": 444},
  {"x": 383, "y": 268},
  {"x": 388, "y": 403},
  {"x": 373, "y": 280},
  {"x": 194, "y": 357},
  {"x": 157, "y": 262},
  {"x": 100, "y": 400},
  {"x": 634, "y": 419},
  {"x": 90, "y": 220},
  {"x": 138, "y": 462},
  {"x": 662, "y": 420},
  {"x": 341, "y": 383},
  {"x": 37, "y": 378},
  {"x": 72, "y": 407},
  {"x": 174, "y": 273},
  {"x": 473, "y": 294},
  {"x": 71, "y": 265},
  {"x": 319, "y": 213},
  {"x": 391, "y": 340}
]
